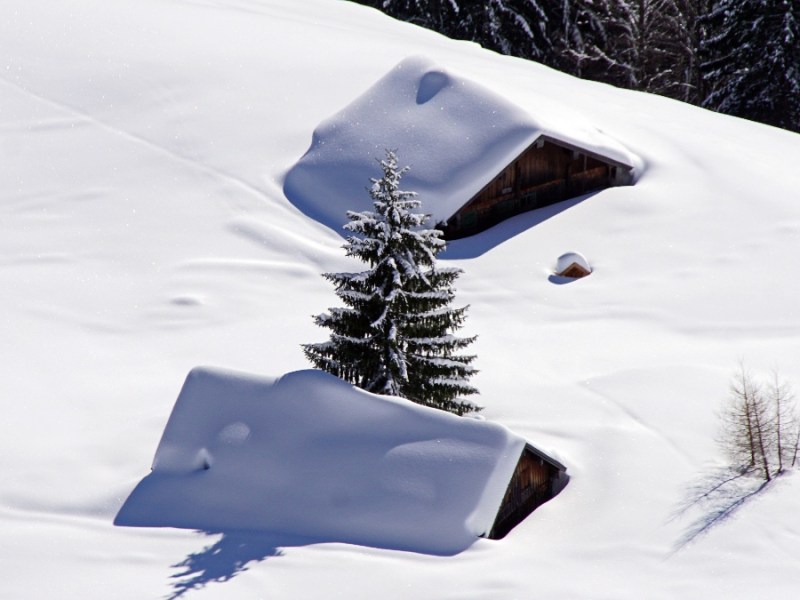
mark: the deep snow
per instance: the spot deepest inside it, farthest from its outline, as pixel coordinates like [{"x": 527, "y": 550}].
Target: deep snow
[
  {"x": 144, "y": 231},
  {"x": 308, "y": 454},
  {"x": 454, "y": 133}
]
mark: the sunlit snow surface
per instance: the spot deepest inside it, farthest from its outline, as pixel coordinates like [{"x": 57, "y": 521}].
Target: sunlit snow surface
[{"x": 144, "y": 231}]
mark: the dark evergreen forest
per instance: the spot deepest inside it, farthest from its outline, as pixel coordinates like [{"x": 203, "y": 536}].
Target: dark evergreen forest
[{"x": 739, "y": 57}]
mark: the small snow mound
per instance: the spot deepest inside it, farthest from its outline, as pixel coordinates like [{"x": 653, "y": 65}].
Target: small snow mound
[
  {"x": 186, "y": 301},
  {"x": 431, "y": 84},
  {"x": 202, "y": 460},
  {"x": 235, "y": 433},
  {"x": 572, "y": 264}
]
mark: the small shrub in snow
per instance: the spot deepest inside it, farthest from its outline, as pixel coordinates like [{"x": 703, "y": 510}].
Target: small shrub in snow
[
  {"x": 394, "y": 335},
  {"x": 760, "y": 431}
]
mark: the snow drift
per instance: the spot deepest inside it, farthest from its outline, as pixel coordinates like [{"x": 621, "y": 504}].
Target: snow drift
[{"x": 310, "y": 455}]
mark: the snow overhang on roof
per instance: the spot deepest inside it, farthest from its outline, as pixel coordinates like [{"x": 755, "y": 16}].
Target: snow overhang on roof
[
  {"x": 454, "y": 133},
  {"x": 310, "y": 455}
]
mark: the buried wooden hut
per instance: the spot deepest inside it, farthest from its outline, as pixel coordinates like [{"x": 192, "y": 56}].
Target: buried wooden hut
[
  {"x": 309, "y": 455},
  {"x": 548, "y": 171},
  {"x": 537, "y": 478},
  {"x": 572, "y": 265},
  {"x": 476, "y": 158}
]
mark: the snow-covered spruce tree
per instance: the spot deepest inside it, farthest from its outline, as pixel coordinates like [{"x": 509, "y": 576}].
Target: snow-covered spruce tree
[
  {"x": 577, "y": 30},
  {"x": 515, "y": 27},
  {"x": 644, "y": 47},
  {"x": 394, "y": 335},
  {"x": 752, "y": 60},
  {"x": 438, "y": 15}
]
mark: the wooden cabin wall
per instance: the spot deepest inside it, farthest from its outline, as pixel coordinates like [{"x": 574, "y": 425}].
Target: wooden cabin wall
[
  {"x": 530, "y": 486},
  {"x": 544, "y": 174}
]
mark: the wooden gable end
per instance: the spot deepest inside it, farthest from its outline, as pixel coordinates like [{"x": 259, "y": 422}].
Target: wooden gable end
[
  {"x": 548, "y": 171},
  {"x": 533, "y": 483},
  {"x": 575, "y": 271}
]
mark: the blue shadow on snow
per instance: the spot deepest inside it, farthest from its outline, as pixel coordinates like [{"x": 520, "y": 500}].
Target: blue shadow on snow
[{"x": 476, "y": 245}]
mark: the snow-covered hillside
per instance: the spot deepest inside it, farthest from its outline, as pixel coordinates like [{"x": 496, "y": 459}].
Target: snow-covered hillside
[{"x": 144, "y": 230}]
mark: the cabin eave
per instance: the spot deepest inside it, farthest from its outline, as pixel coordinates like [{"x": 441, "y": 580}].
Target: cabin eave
[{"x": 547, "y": 171}]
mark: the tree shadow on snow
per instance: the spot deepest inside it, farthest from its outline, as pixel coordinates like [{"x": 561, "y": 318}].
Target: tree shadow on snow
[
  {"x": 221, "y": 561},
  {"x": 168, "y": 501},
  {"x": 226, "y": 558},
  {"x": 714, "y": 498}
]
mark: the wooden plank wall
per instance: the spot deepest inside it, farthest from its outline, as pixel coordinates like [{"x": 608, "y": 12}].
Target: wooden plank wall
[
  {"x": 530, "y": 486},
  {"x": 544, "y": 174}
]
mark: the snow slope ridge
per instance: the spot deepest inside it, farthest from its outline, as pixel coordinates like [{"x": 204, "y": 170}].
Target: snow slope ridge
[
  {"x": 454, "y": 133},
  {"x": 144, "y": 230},
  {"x": 309, "y": 455}
]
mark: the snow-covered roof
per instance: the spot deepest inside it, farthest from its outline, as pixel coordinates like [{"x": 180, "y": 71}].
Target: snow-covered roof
[
  {"x": 454, "y": 133},
  {"x": 566, "y": 260},
  {"x": 311, "y": 455}
]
